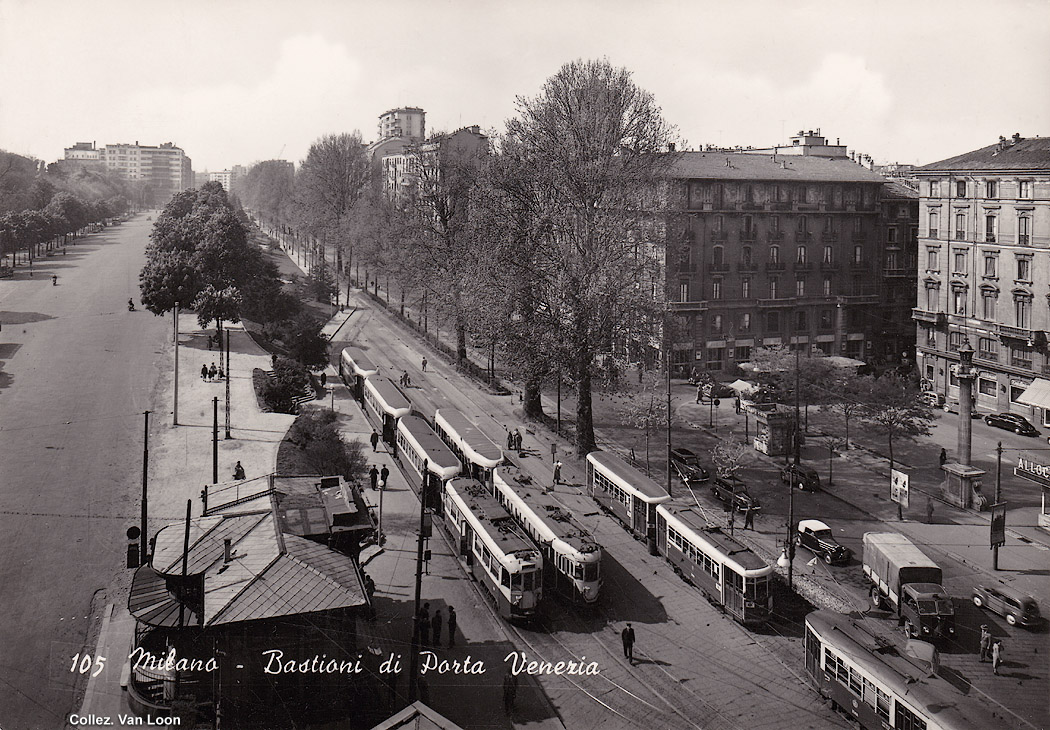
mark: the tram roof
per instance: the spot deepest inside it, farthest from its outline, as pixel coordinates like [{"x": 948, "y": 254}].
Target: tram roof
[
  {"x": 389, "y": 396},
  {"x": 499, "y": 525},
  {"x": 881, "y": 654},
  {"x": 627, "y": 476},
  {"x": 361, "y": 363},
  {"x": 553, "y": 518},
  {"x": 688, "y": 517},
  {"x": 440, "y": 459},
  {"x": 476, "y": 446}
]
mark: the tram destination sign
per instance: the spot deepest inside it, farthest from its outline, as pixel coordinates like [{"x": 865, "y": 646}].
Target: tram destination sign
[{"x": 1033, "y": 471}]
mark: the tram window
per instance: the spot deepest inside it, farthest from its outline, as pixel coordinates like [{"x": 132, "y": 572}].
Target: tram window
[
  {"x": 882, "y": 706},
  {"x": 907, "y": 720},
  {"x": 757, "y": 590},
  {"x": 735, "y": 581},
  {"x": 505, "y": 578},
  {"x": 527, "y": 581},
  {"x": 515, "y": 581},
  {"x": 855, "y": 682},
  {"x": 590, "y": 572},
  {"x": 577, "y": 571}
]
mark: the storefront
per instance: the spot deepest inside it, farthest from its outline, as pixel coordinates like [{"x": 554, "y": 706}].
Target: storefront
[
  {"x": 1034, "y": 470},
  {"x": 1037, "y": 396}
]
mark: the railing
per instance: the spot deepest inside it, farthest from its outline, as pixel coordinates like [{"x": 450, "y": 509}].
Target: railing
[
  {"x": 828, "y": 266},
  {"x": 1023, "y": 239},
  {"x": 747, "y": 266},
  {"x": 774, "y": 266},
  {"x": 989, "y": 238},
  {"x": 748, "y": 234},
  {"x": 718, "y": 266},
  {"x": 932, "y": 233},
  {"x": 924, "y": 315},
  {"x": 782, "y": 206},
  {"x": 1015, "y": 333},
  {"x": 829, "y": 236},
  {"x": 689, "y": 306},
  {"x": 898, "y": 273},
  {"x": 719, "y": 235},
  {"x": 776, "y": 235},
  {"x": 803, "y": 266},
  {"x": 751, "y": 205}
]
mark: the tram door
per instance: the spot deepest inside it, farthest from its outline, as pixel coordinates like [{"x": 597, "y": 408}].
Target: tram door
[
  {"x": 812, "y": 653},
  {"x": 388, "y": 428},
  {"x": 465, "y": 542},
  {"x": 639, "y": 514},
  {"x": 433, "y": 494}
]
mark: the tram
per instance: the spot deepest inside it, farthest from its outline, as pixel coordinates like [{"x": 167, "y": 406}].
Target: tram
[
  {"x": 417, "y": 444},
  {"x": 476, "y": 451},
  {"x": 497, "y": 552},
  {"x": 355, "y": 368},
  {"x": 571, "y": 557},
  {"x": 386, "y": 404},
  {"x": 625, "y": 492},
  {"x": 870, "y": 676},
  {"x": 727, "y": 572}
]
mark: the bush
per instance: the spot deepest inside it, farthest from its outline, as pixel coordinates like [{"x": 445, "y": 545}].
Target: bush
[
  {"x": 322, "y": 448},
  {"x": 289, "y": 380}
]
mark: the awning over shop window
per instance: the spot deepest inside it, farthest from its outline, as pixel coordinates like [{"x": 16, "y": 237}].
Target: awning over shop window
[{"x": 1037, "y": 394}]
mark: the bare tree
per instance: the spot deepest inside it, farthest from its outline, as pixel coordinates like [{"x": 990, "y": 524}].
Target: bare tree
[
  {"x": 729, "y": 458},
  {"x": 646, "y": 409},
  {"x": 596, "y": 146}
]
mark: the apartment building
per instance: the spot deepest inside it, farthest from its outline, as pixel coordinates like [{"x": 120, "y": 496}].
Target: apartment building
[
  {"x": 162, "y": 170},
  {"x": 984, "y": 274},
  {"x": 775, "y": 249}
]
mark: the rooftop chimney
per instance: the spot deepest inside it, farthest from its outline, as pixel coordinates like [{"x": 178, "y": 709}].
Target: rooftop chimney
[
  {"x": 227, "y": 550},
  {"x": 1017, "y": 137},
  {"x": 670, "y": 147}
]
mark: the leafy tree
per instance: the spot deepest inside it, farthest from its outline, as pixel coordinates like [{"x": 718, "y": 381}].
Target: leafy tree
[
  {"x": 307, "y": 344},
  {"x": 320, "y": 283},
  {"x": 289, "y": 380},
  {"x": 848, "y": 396},
  {"x": 595, "y": 143},
  {"x": 215, "y": 305}
]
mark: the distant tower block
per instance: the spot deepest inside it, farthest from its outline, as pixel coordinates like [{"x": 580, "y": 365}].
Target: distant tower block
[{"x": 407, "y": 123}]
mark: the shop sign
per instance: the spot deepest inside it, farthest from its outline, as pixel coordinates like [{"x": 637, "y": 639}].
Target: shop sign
[{"x": 1033, "y": 471}]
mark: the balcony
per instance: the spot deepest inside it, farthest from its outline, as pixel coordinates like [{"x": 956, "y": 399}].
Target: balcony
[
  {"x": 829, "y": 236},
  {"x": 718, "y": 267},
  {"x": 748, "y": 234},
  {"x": 1015, "y": 333},
  {"x": 1023, "y": 239},
  {"x": 774, "y": 266},
  {"x": 898, "y": 273},
  {"x": 785, "y": 302},
  {"x": 803, "y": 266},
  {"x": 858, "y": 265},
  {"x": 776, "y": 235},
  {"x": 719, "y": 235},
  {"x": 828, "y": 266},
  {"x": 938, "y": 319},
  {"x": 782, "y": 205},
  {"x": 700, "y": 306},
  {"x": 859, "y": 236},
  {"x": 751, "y": 205},
  {"x": 989, "y": 238},
  {"x": 802, "y": 236},
  {"x": 747, "y": 266}
]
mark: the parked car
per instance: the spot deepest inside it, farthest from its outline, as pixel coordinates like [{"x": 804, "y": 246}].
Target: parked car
[
  {"x": 688, "y": 466},
  {"x": 718, "y": 390},
  {"x": 932, "y": 398},
  {"x": 1012, "y": 422},
  {"x": 1016, "y": 607},
  {"x": 734, "y": 492},
  {"x": 815, "y": 536},
  {"x": 802, "y": 476}
]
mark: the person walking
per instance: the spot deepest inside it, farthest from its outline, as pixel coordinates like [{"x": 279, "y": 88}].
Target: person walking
[
  {"x": 212, "y": 372},
  {"x": 424, "y": 625},
  {"x": 510, "y": 440},
  {"x": 517, "y": 441},
  {"x": 929, "y": 510},
  {"x": 944, "y": 457},
  {"x": 627, "y": 636},
  {"x": 373, "y": 476},
  {"x": 451, "y": 627},
  {"x": 424, "y": 363},
  {"x": 510, "y": 691},
  {"x": 997, "y": 656},
  {"x": 435, "y": 627},
  {"x": 749, "y": 517},
  {"x": 699, "y": 392},
  {"x": 557, "y": 472},
  {"x": 384, "y": 474},
  {"x": 374, "y": 438},
  {"x": 238, "y": 471},
  {"x": 204, "y": 372},
  {"x": 986, "y": 643}
]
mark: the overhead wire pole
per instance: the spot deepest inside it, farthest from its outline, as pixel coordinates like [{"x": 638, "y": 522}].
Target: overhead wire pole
[
  {"x": 144, "y": 552},
  {"x": 215, "y": 441},
  {"x": 668, "y": 340},
  {"x": 228, "y": 384},
  {"x": 175, "y": 409},
  {"x": 413, "y": 670},
  {"x": 998, "y": 496}
]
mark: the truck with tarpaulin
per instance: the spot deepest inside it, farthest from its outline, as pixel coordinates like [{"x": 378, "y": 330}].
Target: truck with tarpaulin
[{"x": 906, "y": 581}]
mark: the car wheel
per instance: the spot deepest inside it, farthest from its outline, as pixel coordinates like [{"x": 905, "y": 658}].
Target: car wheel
[
  {"x": 910, "y": 630},
  {"x": 798, "y": 541},
  {"x": 1011, "y": 619},
  {"x": 827, "y": 558},
  {"x": 988, "y": 420},
  {"x": 977, "y": 601},
  {"x": 876, "y": 597},
  {"x": 1018, "y": 431}
]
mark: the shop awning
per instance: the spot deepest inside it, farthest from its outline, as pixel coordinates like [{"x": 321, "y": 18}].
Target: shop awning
[{"x": 1037, "y": 394}]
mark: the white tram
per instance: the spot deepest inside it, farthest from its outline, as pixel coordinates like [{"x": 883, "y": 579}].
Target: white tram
[
  {"x": 386, "y": 404},
  {"x": 630, "y": 495},
  {"x": 417, "y": 444},
  {"x": 882, "y": 681},
  {"x": 571, "y": 557},
  {"x": 723, "y": 568},
  {"x": 475, "y": 450},
  {"x": 355, "y": 367},
  {"x": 497, "y": 552}
]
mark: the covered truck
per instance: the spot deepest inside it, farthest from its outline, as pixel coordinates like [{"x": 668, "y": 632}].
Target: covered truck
[{"x": 907, "y": 582}]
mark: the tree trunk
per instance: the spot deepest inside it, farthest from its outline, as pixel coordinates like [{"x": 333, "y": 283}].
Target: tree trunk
[
  {"x": 461, "y": 337},
  {"x": 585, "y": 442},
  {"x": 531, "y": 403}
]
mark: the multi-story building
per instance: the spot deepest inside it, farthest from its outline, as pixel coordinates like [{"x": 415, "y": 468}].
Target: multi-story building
[
  {"x": 163, "y": 170},
  {"x": 899, "y": 227},
  {"x": 403, "y": 123},
  {"x": 774, "y": 249},
  {"x": 984, "y": 273}
]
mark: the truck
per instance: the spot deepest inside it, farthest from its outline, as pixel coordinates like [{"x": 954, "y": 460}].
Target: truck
[{"x": 908, "y": 583}]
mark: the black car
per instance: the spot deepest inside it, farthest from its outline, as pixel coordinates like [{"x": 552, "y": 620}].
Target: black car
[
  {"x": 718, "y": 390},
  {"x": 687, "y": 465},
  {"x": 734, "y": 492},
  {"x": 1012, "y": 422},
  {"x": 801, "y": 476},
  {"x": 816, "y": 536}
]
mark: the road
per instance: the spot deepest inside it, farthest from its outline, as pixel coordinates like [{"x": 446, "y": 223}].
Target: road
[{"x": 76, "y": 372}]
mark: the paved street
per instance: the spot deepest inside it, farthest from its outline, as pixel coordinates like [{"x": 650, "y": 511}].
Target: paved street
[{"x": 76, "y": 372}]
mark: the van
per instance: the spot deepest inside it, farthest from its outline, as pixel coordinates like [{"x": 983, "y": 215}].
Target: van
[{"x": 1017, "y": 608}]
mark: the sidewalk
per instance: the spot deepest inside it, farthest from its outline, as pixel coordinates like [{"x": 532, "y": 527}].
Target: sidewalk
[{"x": 181, "y": 465}]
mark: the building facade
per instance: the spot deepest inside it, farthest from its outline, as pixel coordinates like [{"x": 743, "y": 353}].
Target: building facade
[
  {"x": 404, "y": 123},
  {"x": 984, "y": 272},
  {"x": 894, "y": 331},
  {"x": 162, "y": 170},
  {"x": 773, "y": 250}
]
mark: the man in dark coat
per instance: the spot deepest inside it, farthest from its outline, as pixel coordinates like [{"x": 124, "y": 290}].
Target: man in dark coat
[
  {"x": 451, "y": 626},
  {"x": 373, "y": 475},
  {"x": 627, "y": 635},
  {"x": 374, "y": 438},
  {"x": 384, "y": 474}
]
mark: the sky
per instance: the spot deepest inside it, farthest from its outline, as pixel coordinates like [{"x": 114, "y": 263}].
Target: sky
[{"x": 235, "y": 82}]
